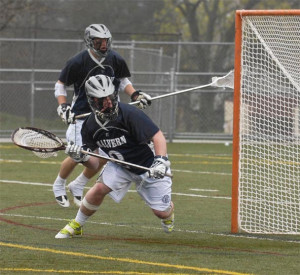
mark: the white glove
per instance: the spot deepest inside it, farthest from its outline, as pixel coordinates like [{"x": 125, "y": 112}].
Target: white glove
[
  {"x": 65, "y": 113},
  {"x": 74, "y": 151},
  {"x": 159, "y": 167},
  {"x": 143, "y": 98}
]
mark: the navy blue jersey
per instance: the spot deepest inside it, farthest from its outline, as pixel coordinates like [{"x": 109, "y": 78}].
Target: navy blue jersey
[
  {"x": 81, "y": 67},
  {"x": 126, "y": 138}
]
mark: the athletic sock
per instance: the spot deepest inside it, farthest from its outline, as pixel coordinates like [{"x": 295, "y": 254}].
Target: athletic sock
[
  {"x": 59, "y": 187},
  {"x": 81, "y": 218},
  {"x": 81, "y": 180}
]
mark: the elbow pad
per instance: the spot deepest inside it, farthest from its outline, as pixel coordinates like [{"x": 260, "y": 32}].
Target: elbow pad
[
  {"x": 123, "y": 83},
  {"x": 60, "y": 90}
]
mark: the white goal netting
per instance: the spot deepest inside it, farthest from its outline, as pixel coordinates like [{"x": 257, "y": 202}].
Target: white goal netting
[{"x": 269, "y": 161}]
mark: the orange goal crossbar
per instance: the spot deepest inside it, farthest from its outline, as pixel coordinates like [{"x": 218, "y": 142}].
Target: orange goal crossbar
[
  {"x": 267, "y": 12},
  {"x": 237, "y": 96}
]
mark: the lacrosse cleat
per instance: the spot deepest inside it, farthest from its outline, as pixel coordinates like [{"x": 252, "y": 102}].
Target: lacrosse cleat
[
  {"x": 72, "y": 229},
  {"x": 63, "y": 201},
  {"x": 76, "y": 190},
  {"x": 168, "y": 223},
  {"x": 59, "y": 191}
]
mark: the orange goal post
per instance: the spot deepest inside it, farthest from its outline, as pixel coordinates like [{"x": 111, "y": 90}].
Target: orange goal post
[{"x": 266, "y": 123}]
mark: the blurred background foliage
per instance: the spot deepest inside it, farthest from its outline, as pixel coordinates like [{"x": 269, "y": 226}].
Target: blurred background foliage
[
  {"x": 209, "y": 24},
  {"x": 151, "y": 20}
]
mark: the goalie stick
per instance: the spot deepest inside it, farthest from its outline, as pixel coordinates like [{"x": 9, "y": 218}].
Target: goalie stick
[
  {"x": 225, "y": 81},
  {"x": 43, "y": 142}
]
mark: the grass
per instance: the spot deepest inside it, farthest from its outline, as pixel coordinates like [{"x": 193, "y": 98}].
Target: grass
[{"x": 126, "y": 238}]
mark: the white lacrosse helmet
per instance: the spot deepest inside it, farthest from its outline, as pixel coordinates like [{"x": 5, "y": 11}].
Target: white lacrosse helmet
[
  {"x": 97, "y": 31},
  {"x": 98, "y": 90}
]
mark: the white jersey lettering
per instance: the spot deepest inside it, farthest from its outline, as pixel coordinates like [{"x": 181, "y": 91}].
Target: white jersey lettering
[{"x": 111, "y": 143}]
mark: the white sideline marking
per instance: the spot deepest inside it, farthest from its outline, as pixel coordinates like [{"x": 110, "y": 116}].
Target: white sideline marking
[
  {"x": 205, "y": 190},
  {"x": 178, "y": 194},
  {"x": 202, "y": 172},
  {"x": 58, "y": 163},
  {"x": 202, "y": 196},
  {"x": 29, "y": 183},
  {"x": 159, "y": 228},
  {"x": 29, "y": 161}
]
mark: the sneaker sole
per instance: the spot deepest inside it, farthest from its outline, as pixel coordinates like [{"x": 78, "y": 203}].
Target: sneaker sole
[
  {"x": 63, "y": 203},
  {"x": 75, "y": 200},
  {"x": 64, "y": 236}
]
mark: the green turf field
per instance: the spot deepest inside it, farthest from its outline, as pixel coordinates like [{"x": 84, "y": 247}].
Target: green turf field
[{"x": 127, "y": 238}]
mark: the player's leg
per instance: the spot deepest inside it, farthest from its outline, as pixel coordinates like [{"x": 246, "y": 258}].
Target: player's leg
[
  {"x": 59, "y": 186},
  {"x": 167, "y": 218},
  {"x": 113, "y": 180},
  {"x": 76, "y": 187},
  {"x": 90, "y": 204},
  {"x": 157, "y": 194}
]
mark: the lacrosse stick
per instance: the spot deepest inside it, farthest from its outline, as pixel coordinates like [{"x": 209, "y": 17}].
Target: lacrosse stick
[
  {"x": 225, "y": 81},
  {"x": 42, "y": 143}
]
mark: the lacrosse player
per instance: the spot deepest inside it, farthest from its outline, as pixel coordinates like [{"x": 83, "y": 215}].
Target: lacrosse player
[
  {"x": 123, "y": 132},
  {"x": 98, "y": 58}
]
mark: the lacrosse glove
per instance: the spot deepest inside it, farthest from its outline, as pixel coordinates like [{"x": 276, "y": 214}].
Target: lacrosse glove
[
  {"x": 65, "y": 113},
  {"x": 159, "y": 167},
  {"x": 143, "y": 98},
  {"x": 74, "y": 151}
]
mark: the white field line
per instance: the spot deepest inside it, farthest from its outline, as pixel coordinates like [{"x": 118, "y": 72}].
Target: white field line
[
  {"x": 204, "y": 190},
  {"x": 178, "y": 194},
  {"x": 58, "y": 163},
  {"x": 202, "y": 172},
  {"x": 159, "y": 228}
]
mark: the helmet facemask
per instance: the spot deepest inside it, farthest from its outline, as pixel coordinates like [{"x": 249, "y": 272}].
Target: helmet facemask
[
  {"x": 102, "y": 97},
  {"x": 93, "y": 32},
  {"x": 105, "y": 108}
]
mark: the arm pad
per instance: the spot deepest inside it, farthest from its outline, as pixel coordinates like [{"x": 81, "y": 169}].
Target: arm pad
[
  {"x": 123, "y": 83},
  {"x": 60, "y": 90}
]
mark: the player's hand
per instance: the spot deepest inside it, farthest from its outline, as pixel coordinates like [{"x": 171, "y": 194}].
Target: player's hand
[
  {"x": 74, "y": 151},
  {"x": 159, "y": 167},
  {"x": 143, "y": 98},
  {"x": 65, "y": 113}
]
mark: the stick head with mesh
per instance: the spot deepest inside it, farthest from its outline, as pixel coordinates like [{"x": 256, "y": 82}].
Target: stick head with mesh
[
  {"x": 43, "y": 143},
  {"x": 226, "y": 81}
]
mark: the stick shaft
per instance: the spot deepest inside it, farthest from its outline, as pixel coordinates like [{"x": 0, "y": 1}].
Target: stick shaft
[
  {"x": 159, "y": 96},
  {"x": 213, "y": 83},
  {"x": 82, "y": 115},
  {"x": 174, "y": 93},
  {"x": 120, "y": 161}
]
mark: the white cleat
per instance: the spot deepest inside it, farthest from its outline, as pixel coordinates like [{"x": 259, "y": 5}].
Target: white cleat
[
  {"x": 63, "y": 201},
  {"x": 73, "y": 188}
]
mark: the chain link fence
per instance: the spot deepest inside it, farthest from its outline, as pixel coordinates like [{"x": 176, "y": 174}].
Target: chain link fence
[{"x": 29, "y": 69}]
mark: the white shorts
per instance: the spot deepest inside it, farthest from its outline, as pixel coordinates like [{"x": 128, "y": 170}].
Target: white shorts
[
  {"x": 74, "y": 132},
  {"x": 155, "y": 192}
]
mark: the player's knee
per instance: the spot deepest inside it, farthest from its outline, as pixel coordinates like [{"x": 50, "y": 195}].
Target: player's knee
[
  {"x": 166, "y": 213},
  {"x": 100, "y": 189}
]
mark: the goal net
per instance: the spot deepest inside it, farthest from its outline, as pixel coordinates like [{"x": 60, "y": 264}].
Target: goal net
[{"x": 266, "y": 143}]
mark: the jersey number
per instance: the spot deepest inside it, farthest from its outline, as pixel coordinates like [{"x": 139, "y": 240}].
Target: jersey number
[{"x": 117, "y": 155}]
